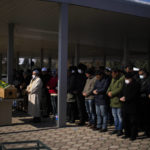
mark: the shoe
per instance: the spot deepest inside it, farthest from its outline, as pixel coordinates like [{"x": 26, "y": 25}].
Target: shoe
[
  {"x": 104, "y": 130},
  {"x": 119, "y": 133},
  {"x": 94, "y": 129},
  {"x": 36, "y": 120},
  {"x": 81, "y": 124},
  {"x": 92, "y": 126},
  {"x": 132, "y": 138},
  {"x": 114, "y": 132},
  {"x": 88, "y": 125},
  {"x": 71, "y": 121},
  {"x": 125, "y": 137}
]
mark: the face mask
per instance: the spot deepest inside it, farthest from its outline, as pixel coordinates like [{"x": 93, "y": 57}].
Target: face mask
[
  {"x": 33, "y": 76},
  {"x": 73, "y": 71},
  {"x": 79, "y": 71},
  {"x": 141, "y": 76},
  {"x": 127, "y": 81}
]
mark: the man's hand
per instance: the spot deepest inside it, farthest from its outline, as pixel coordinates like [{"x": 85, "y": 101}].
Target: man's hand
[
  {"x": 95, "y": 92},
  {"x": 109, "y": 94},
  {"x": 149, "y": 96},
  {"x": 122, "y": 99},
  {"x": 48, "y": 87},
  {"x": 84, "y": 94}
]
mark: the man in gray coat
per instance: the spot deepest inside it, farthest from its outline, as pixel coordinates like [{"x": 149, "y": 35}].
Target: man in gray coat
[{"x": 89, "y": 97}]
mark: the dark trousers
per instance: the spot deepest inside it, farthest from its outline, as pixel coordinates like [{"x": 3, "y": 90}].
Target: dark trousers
[
  {"x": 81, "y": 108},
  {"x": 71, "y": 111},
  {"x": 144, "y": 115},
  {"x": 54, "y": 104},
  {"x": 130, "y": 124}
]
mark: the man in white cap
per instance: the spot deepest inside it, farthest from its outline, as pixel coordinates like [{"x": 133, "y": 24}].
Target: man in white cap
[{"x": 34, "y": 96}]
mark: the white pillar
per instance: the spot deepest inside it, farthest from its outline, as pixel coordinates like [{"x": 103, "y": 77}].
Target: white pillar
[
  {"x": 10, "y": 53},
  {"x": 125, "y": 52},
  {"x": 62, "y": 64}
]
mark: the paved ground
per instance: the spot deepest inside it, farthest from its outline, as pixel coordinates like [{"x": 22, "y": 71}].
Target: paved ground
[{"x": 68, "y": 138}]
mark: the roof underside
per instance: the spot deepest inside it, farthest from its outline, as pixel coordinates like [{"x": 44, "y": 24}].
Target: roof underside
[{"x": 98, "y": 32}]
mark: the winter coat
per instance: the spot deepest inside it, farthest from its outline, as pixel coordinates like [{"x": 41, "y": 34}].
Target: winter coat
[
  {"x": 131, "y": 92},
  {"x": 71, "y": 87},
  {"x": 34, "y": 97},
  {"x": 115, "y": 88},
  {"x": 101, "y": 86},
  {"x": 88, "y": 88},
  {"x": 144, "y": 83},
  {"x": 80, "y": 83},
  {"x": 52, "y": 83}
]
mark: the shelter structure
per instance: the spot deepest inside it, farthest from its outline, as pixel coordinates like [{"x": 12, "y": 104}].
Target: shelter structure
[{"x": 73, "y": 29}]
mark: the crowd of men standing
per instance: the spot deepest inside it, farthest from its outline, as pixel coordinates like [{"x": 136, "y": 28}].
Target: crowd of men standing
[
  {"x": 100, "y": 97},
  {"x": 104, "y": 93}
]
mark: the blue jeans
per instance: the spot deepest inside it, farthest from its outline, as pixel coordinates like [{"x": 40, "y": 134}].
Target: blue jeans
[
  {"x": 90, "y": 108},
  {"x": 101, "y": 112},
  {"x": 116, "y": 112}
]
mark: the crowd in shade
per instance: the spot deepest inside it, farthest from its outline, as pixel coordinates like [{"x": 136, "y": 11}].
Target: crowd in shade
[{"x": 96, "y": 97}]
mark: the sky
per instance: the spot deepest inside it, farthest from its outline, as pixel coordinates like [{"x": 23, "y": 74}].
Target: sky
[{"x": 146, "y": 2}]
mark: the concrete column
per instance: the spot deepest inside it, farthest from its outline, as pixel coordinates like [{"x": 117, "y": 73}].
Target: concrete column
[
  {"x": 1, "y": 65},
  {"x": 41, "y": 57},
  {"x": 62, "y": 64},
  {"x": 125, "y": 52},
  {"x": 10, "y": 53},
  {"x": 77, "y": 54}
]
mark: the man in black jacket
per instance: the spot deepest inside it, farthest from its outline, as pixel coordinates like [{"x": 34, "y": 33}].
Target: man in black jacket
[
  {"x": 130, "y": 100},
  {"x": 144, "y": 81},
  {"x": 99, "y": 91},
  {"x": 80, "y": 83},
  {"x": 71, "y": 89}
]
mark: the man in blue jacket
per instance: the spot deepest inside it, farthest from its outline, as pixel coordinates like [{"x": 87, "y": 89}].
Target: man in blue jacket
[{"x": 99, "y": 91}]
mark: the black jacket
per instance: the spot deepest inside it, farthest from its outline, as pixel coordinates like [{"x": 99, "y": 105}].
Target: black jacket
[
  {"x": 101, "y": 86},
  {"x": 131, "y": 92},
  {"x": 80, "y": 83},
  {"x": 71, "y": 83}
]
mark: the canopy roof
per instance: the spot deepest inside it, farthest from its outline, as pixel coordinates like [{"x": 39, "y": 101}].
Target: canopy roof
[{"x": 98, "y": 30}]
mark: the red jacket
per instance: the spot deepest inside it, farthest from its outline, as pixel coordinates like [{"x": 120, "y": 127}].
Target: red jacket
[{"x": 52, "y": 84}]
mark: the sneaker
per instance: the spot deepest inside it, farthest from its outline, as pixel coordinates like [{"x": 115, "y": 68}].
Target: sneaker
[{"x": 114, "y": 132}]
